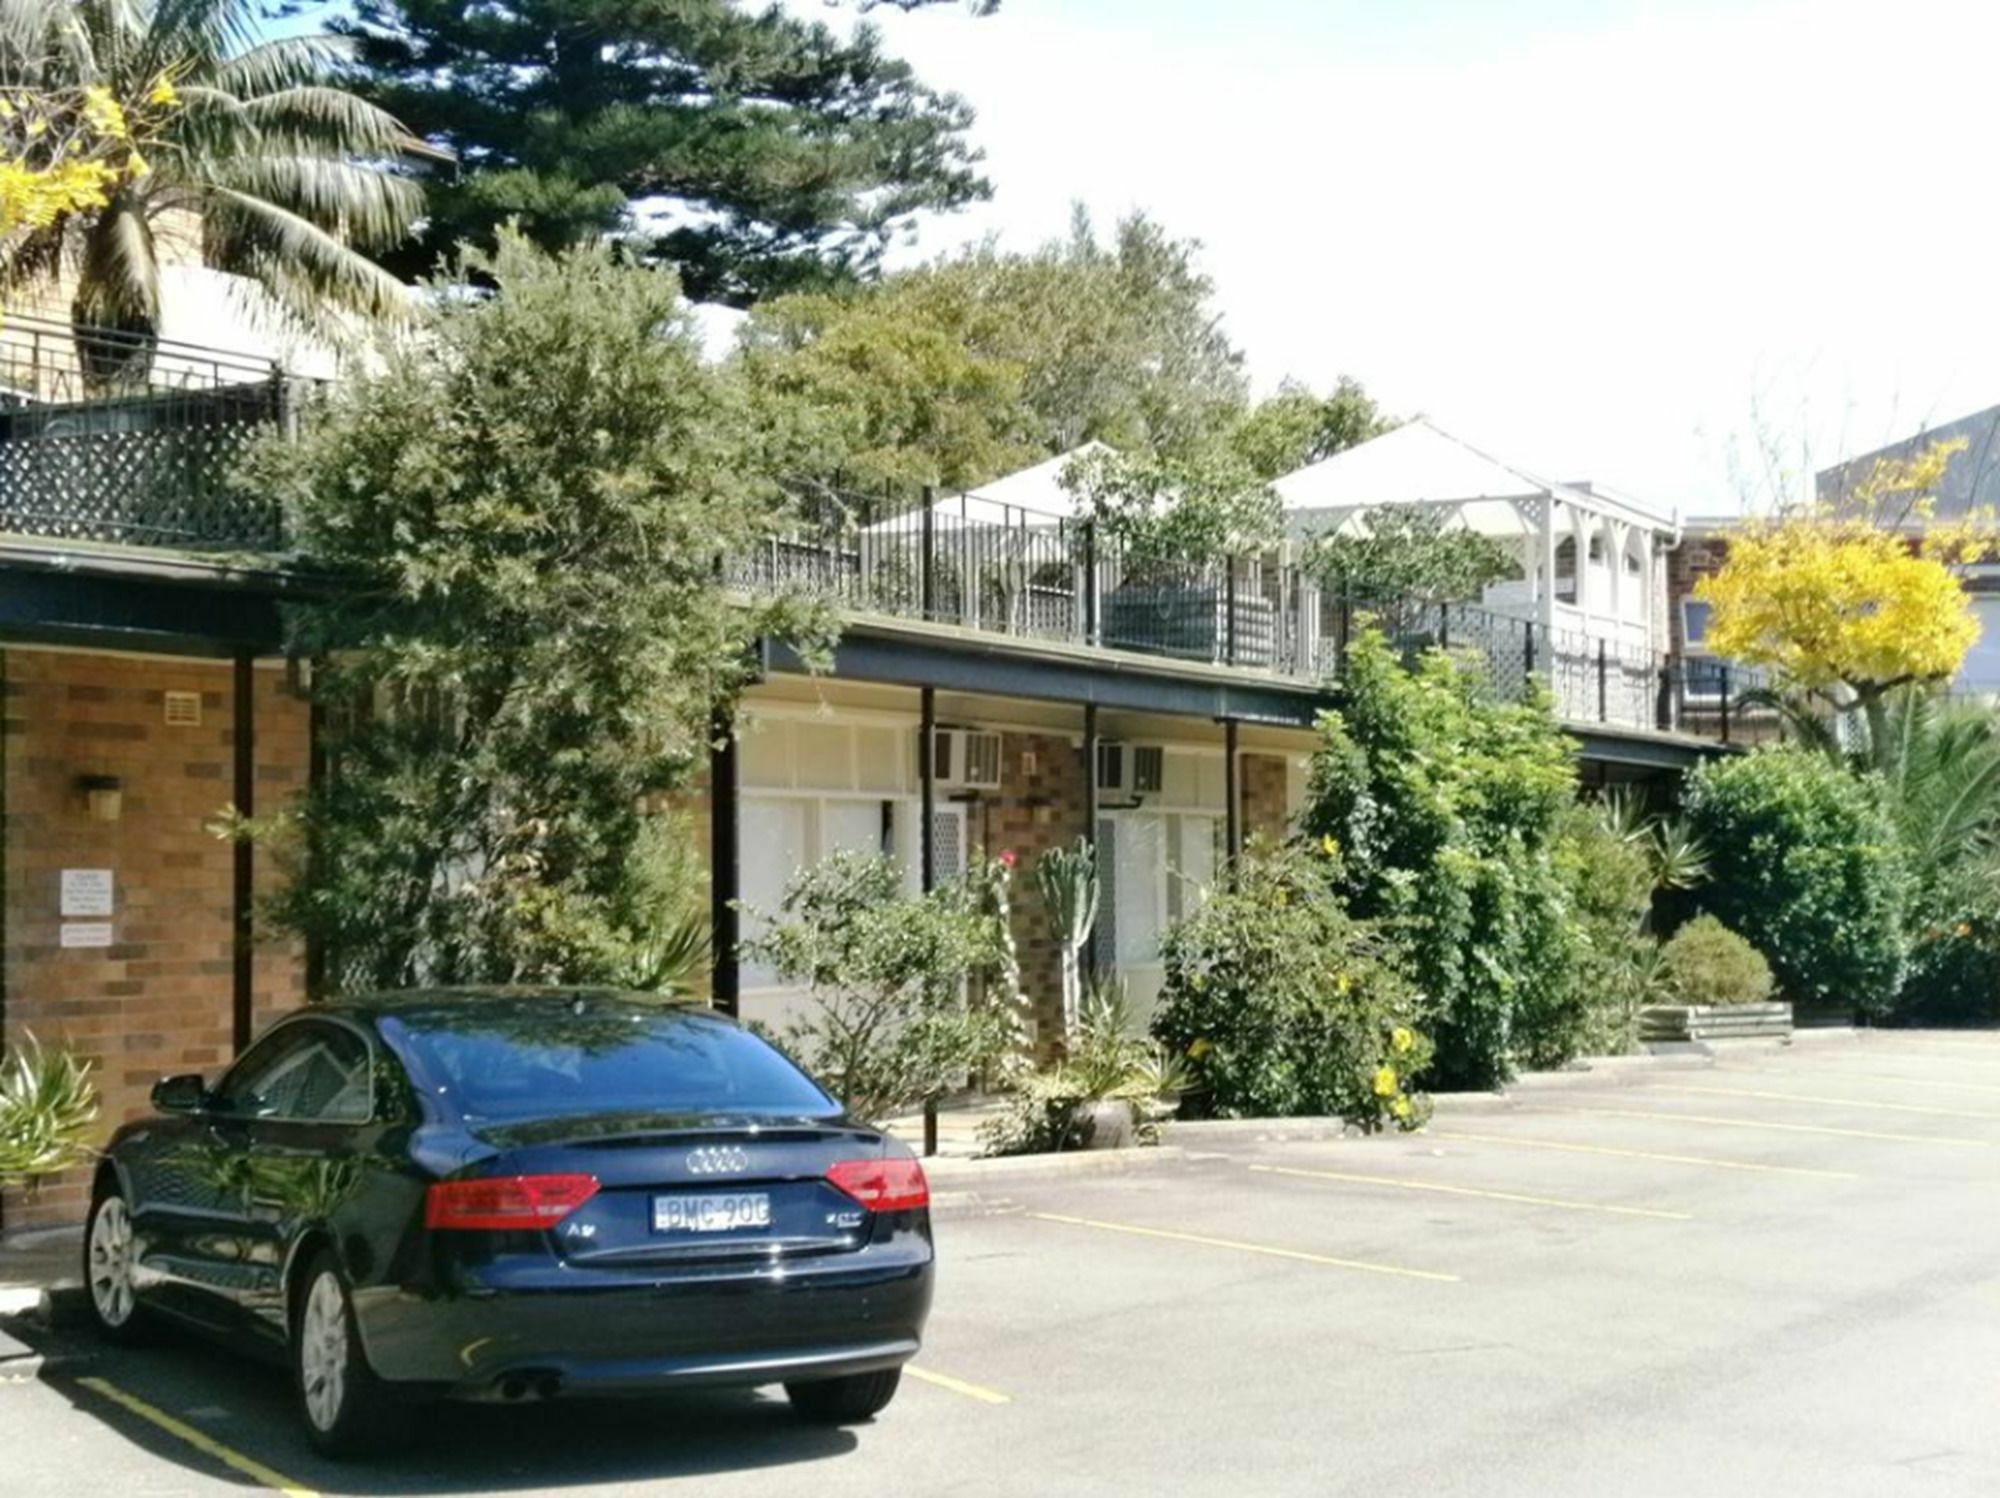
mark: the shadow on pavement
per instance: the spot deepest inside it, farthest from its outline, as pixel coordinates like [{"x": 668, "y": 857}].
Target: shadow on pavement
[{"x": 245, "y": 1405}]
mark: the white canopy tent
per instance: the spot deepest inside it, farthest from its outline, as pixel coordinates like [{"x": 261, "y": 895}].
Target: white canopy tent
[
  {"x": 1030, "y": 497},
  {"x": 1590, "y": 560}
]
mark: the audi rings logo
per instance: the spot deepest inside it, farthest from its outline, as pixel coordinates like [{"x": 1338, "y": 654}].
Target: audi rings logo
[{"x": 718, "y": 1160}]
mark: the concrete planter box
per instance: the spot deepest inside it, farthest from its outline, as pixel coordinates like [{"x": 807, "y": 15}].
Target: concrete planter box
[{"x": 1663, "y": 1022}]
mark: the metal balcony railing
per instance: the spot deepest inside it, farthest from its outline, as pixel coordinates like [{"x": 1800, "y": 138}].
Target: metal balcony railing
[
  {"x": 973, "y": 563},
  {"x": 106, "y": 437},
  {"x": 109, "y": 437}
]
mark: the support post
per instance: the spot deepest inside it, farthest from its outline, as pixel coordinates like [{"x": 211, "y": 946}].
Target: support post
[
  {"x": 1232, "y": 790},
  {"x": 1229, "y": 612},
  {"x": 1603, "y": 684},
  {"x": 1090, "y": 589},
  {"x": 927, "y": 563},
  {"x": 1725, "y": 704},
  {"x": 927, "y": 844},
  {"x": 243, "y": 868},
  {"x": 1528, "y": 651},
  {"x": 725, "y": 865},
  {"x": 1089, "y": 956}
]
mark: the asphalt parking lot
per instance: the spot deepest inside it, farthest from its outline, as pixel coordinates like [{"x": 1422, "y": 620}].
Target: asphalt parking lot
[{"x": 1776, "y": 1275}]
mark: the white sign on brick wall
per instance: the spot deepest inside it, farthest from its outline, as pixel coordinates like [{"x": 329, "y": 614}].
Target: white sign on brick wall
[
  {"x": 86, "y": 892},
  {"x": 86, "y": 933}
]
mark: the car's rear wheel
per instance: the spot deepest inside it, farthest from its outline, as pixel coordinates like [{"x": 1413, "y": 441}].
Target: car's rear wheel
[
  {"x": 110, "y": 1257},
  {"x": 349, "y": 1412},
  {"x": 845, "y": 1401}
]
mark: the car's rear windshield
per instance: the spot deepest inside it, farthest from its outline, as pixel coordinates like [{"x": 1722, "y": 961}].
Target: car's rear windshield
[{"x": 510, "y": 1061}]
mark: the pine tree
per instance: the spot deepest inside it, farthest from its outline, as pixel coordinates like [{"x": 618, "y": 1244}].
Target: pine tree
[{"x": 752, "y": 151}]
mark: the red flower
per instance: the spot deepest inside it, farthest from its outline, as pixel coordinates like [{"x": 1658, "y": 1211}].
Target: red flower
[{"x": 1006, "y": 858}]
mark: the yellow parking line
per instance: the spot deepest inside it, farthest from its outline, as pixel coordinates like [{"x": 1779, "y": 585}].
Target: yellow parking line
[
  {"x": 1834, "y": 1102},
  {"x": 251, "y": 1468},
  {"x": 956, "y": 1385},
  {"x": 1662, "y": 1116},
  {"x": 1403, "y": 1184},
  {"x": 1249, "y": 1248},
  {"x": 1604, "y": 1149}
]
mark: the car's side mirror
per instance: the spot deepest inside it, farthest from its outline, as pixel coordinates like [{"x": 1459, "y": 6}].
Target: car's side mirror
[{"x": 187, "y": 1093}]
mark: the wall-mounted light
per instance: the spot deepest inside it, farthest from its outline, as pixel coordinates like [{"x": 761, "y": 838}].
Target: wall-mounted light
[{"x": 103, "y": 796}]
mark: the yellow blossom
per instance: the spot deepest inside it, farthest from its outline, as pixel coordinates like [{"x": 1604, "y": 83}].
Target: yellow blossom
[
  {"x": 1344, "y": 984},
  {"x": 1402, "y": 1038},
  {"x": 1330, "y": 845},
  {"x": 1385, "y": 1081},
  {"x": 1201, "y": 1047},
  {"x": 1963, "y": 929},
  {"x": 163, "y": 94},
  {"x": 1401, "y": 1107}
]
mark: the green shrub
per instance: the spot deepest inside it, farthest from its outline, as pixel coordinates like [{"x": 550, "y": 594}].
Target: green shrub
[
  {"x": 1609, "y": 876},
  {"x": 1283, "y": 1004},
  {"x": 1707, "y": 963},
  {"x": 888, "y": 1025},
  {"x": 1805, "y": 863},
  {"x": 1448, "y": 806},
  {"x": 48, "y": 1110}
]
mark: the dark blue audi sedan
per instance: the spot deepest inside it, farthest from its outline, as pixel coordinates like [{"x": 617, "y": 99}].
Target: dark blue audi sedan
[{"x": 517, "y": 1194}]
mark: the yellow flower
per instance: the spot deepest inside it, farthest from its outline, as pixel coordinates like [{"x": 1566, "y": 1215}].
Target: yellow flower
[
  {"x": 1282, "y": 897},
  {"x": 1402, "y": 1038},
  {"x": 1385, "y": 1082},
  {"x": 163, "y": 94},
  {"x": 1330, "y": 846},
  {"x": 1963, "y": 929},
  {"x": 1401, "y": 1107},
  {"x": 1344, "y": 984},
  {"x": 1201, "y": 1047}
]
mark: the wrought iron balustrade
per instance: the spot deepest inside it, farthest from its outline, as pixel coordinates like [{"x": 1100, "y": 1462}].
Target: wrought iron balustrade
[
  {"x": 973, "y": 563},
  {"x": 105, "y": 436}
]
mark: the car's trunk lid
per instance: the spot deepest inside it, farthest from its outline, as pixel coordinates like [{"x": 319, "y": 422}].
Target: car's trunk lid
[{"x": 678, "y": 1189}]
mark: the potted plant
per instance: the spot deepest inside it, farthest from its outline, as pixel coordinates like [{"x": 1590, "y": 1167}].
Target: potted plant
[{"x": 1115, "y": 1089}]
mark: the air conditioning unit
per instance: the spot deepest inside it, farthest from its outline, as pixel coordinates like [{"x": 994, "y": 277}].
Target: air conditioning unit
[
  {"x": 966, "y": 757},
  {"x": 1134, "y": 769}
]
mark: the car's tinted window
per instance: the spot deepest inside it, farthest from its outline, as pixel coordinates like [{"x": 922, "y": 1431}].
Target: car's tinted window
[
  {"x": 510, "y": 1062},
  {"x": 314, "y": 1072}
]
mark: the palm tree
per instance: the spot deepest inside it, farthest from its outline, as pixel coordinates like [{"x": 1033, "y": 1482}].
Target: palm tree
[{"x": 250, "y": 145}]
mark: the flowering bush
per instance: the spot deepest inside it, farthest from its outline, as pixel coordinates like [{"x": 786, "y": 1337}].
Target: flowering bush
[
  {"x": 1450, "y": 805},
  {"x": 1282, "y": 1003}
]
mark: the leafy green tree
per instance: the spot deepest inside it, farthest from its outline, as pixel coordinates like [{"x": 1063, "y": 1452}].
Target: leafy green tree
[
  {"x": 527, "y": 506},
  {"x": 751, "y": 150},
  {"x": 281, "y": 172},
  {"x": 984, "y": 362},
  {"x": 1446, "y": 806},
  {"x": 1805, "y": 863},
  {"x": 1407, "y": 554},
  {"x": 888, "y": 1026},
  {"x": 1294, "y": 427},
  {"x": 1166, "y": 513}
]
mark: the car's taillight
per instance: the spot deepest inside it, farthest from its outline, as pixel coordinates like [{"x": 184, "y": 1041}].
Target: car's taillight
[
  {"x": 883, "y": 1185},
  {"x": 504, "y": 1202}
]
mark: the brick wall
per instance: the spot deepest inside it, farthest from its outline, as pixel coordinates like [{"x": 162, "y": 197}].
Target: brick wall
[
  {"x": 1688, "y": 563},
  {"x": 159, "y": 999},
  {"x": 1039, "y": 806}
]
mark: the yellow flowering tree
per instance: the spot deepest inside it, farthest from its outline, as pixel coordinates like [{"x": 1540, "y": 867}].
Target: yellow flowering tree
[
  {"x": 65, "y": 151},
  {"x": 1846, "y": 601}
]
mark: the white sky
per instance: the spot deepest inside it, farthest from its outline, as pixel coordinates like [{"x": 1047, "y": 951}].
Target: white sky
[{"x": 1609, "y": 239}]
